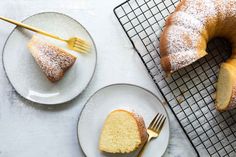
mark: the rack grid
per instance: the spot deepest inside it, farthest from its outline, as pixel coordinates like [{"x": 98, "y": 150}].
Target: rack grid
[{"x": 189, "y": 92}]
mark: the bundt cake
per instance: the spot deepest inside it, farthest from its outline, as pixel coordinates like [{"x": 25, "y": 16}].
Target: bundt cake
[
  {"x": 123, "y": 132},
  {"x": 185, "y": 36},
  {"x": 52, "y": 60}
]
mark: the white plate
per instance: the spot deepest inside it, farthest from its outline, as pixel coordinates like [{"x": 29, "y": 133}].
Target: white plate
[
  {"x": 26, "y": 76},
  {"x": 120, "y": 96}
]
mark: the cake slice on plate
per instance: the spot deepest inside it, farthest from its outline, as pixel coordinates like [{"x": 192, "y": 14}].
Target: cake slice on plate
[
  {"x": 52, "y": 60},
  {"x": 123, "y": 132}
]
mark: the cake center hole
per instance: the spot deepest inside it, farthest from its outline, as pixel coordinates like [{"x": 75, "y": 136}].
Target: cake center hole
[{"x": 219, "y": 47}]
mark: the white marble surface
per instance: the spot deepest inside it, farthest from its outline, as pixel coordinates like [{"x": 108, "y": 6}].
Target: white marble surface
[{"x": 28, "y": 129}]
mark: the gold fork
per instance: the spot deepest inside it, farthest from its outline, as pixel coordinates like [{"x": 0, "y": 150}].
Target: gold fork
[
  {"x": 74, "y": 43},
  {"x": 154, "y": 130}
]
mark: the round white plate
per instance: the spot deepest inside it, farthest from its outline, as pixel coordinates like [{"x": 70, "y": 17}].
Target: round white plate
[
  {"x": 120, "y": 96},
  {"x": 26, "y": 76}
]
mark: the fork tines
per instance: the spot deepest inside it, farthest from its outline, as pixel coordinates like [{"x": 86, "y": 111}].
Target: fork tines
[
  {"x": 157, "y": 123},
  {"x": 79, "y": 45},
  {"x": 82, "y": 44}
]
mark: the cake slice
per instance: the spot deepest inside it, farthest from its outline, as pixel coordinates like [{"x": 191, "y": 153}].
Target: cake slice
[
  {"x": 226, "y": 87},
  {"x": 52, "y": 60},
  {"x": 123, "y": 132}
]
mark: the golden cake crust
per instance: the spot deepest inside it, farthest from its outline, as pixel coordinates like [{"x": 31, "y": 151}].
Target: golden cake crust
[
  {"x": 141, "y": 127},
  {"x": 52, "y": 60},
  {"x": 189, "y": 28}
]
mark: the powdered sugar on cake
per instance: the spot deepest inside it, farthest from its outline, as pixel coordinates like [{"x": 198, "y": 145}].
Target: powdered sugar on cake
[
  {"x": 185, "y": 33},
  {"x": 50, "y": 53},
  {"x": 182, "y": 47},
  {"x": 233, "y": 99},
  {"x": 230, "y": 8},
  {"x": 50, "y": 67},
  {"x": 202, "y": 10},
  {"x": 182, "y": 59},
  {"x": 52, "y": 60},
  {"x": 181, "y": 39},
  {"x": 183, "y": 19}
]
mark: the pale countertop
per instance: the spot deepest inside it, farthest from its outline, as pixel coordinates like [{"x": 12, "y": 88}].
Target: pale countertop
[{"x": 28, "y": 129}]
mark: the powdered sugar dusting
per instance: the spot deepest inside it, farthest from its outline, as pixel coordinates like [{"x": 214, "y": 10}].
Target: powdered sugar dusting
[
  {"x": 187, "y": 21},
  {"x": 189, "y": 26},
  {"x": 221, "y": 9},
  {"x": 232, "y": 103},
  {"x": 181, "y": 59},
  {"x": 230, "y": 8},
  {"x": 182, "y": 39},
  {"x": 55, "y": 55},
  {"x": 52, "y": 60},
  {"x": 185, "y": 33},
  {"x": 202, "y": 10}
]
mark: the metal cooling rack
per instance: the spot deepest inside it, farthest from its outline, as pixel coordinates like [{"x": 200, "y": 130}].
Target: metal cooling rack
[{"x": 190, "y": 92}]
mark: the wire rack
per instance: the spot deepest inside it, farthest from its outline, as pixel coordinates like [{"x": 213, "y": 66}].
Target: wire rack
[{"x": 190, "y": 92}]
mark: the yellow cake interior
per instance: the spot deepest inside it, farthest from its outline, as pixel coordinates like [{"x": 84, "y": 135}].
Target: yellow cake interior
[
  {"x": 120, "y": 133},
  {"x": 224, "y": 86}
]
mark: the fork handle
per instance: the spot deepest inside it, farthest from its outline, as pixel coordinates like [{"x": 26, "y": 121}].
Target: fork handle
[
  {"x": 140, "y": 154},
  {"x": 31, "y": 28}
]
